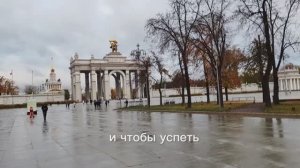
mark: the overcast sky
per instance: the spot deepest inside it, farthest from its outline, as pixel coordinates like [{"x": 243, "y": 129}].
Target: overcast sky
[{"x": 33, "y": 31}]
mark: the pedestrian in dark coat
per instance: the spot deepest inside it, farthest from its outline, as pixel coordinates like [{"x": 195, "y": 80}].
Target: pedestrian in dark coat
[
  {"x": 44, "y": 109},
  {"x": 95, "y": 104},
  {"x": 126, "y": 103}
]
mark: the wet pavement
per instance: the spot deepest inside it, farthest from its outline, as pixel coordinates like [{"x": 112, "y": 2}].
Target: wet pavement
[{"x": 80, "y": 137}]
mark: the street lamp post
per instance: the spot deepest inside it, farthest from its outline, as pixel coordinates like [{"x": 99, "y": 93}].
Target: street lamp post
[
  {"x": 145, "y": 62},
  {"x": 218, "y": 84},
  {"x": 138, "y": 54}
]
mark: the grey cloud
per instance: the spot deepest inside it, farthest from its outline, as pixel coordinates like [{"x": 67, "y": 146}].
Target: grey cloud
[{"x": 33, "y": 31}]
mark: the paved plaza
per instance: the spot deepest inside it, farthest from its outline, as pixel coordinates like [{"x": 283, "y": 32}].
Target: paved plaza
[{"x": 79, "y": 137}]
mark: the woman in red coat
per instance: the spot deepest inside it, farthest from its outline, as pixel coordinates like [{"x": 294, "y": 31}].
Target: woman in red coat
[{"x": 31, "y": 113}]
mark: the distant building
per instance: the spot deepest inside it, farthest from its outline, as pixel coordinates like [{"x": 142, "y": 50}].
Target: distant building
[
  {"x": 51, "y": 85},
  {"x": 289, "y": 78}
]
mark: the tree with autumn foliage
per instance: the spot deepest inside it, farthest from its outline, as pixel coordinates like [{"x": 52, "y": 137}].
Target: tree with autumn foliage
[
  {"x": 7, "y": 86},
  {"x": 255, "y": 63},
  {"x": 232, "y": 61},
  {"x": 209, "y": 37}
]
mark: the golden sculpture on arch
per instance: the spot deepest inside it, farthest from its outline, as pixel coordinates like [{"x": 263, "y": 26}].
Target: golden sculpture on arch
[{"x": 113, "y": 45}]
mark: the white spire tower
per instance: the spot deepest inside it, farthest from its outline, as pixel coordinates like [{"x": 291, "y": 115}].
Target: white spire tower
[{"x": 52, "y": 73}]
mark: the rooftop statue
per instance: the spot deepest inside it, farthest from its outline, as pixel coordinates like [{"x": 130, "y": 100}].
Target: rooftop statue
[{"x": 113, "y": 45}]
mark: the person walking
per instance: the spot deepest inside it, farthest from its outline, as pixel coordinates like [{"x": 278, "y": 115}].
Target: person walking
[
  {"x": 31, "y": 113},
  {"x": 106, "y": 102},
  {"x": 126, "y": 103},
  {"x": 95, "y": 104},
  {"x": 44, "y": 109}
]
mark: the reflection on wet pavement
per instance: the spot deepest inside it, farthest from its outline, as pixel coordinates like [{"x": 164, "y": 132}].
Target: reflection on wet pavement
[{"x": 79, "y": 137}]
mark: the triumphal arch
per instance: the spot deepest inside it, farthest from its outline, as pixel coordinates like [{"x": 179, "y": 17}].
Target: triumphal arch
[{"x": 99, "y": 72}]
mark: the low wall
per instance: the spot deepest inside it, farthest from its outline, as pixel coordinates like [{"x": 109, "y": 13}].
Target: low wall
[
  {"x": 176, "y": 91},
  {"x": 21, "y": 99},
  {"x": 250, "y": 87}
]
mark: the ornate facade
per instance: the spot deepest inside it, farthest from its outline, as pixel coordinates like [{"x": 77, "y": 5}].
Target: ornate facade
[
  {"x": 51, "y": 85},
  {"x": 98, "y": 73},
  {"x": 289, "y": 78}
]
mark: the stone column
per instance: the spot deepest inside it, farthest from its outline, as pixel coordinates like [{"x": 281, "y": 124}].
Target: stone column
[
  {"x": 143, "y": 90},
  {"x": 99, "y": 82},
  {"x": 127, "y": 87},
  {"x": 118, "y": 85},
  {"x": 286, "y": 85},
  {"x": 139, "y": 85},
  {"x": 130, "y": 85},
  {"x": 150, "y": 88},
  {"x": 107, "y": 86},
  {"x": 77, "y": 87},
  {"x": 93, "y": 85},
  {"x": 87, "y": 86},
  {"x": 280, "y": 84}
]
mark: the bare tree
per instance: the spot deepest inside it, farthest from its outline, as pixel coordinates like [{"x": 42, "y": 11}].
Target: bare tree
[
  {"x": 160, "y": 68},
  {"x": 145, "y": 63},
  {"x": 175, "y": 29},
  {"x": 201, "y": 57},
  {"x": 210, "y": 37},
  {"x": 273, "y": 22},
  {"x": 182, "y": 84},
  {"x": 30, "y": 89}
]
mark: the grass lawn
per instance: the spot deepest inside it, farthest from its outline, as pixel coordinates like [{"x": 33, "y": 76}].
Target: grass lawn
[
  {"x": 285, "y": 107},
  {"x": 195, "y": 107}
]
